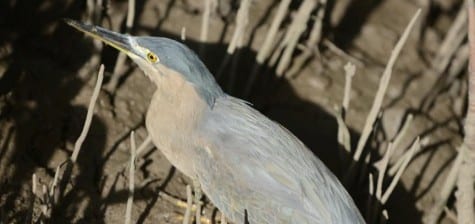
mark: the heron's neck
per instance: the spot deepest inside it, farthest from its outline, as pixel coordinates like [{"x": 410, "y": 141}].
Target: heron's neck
[
  {"x": 179, "y": 97},
  {"x": 174, "y": 115},
  {"x": 175, "y": 109}
]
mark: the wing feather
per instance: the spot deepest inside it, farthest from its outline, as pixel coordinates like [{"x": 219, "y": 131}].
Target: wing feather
[{"x": 263, "y": 157}]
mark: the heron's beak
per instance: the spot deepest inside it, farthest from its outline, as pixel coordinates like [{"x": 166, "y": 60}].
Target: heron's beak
[{"x": 119, "y": 41}]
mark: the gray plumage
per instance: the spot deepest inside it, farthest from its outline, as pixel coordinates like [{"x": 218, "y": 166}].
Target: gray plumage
[
  {"x": 188, "y": 64},
  {"x": 256, "y": 164},
  {"x": 267, "y": 171},
  {"x": 243, "y": 161}
]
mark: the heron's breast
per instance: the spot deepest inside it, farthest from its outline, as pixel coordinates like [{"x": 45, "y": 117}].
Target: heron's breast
[{"x": 172, "y": 119}]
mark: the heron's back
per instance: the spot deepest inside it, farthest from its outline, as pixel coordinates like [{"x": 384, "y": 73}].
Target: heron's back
[{"x": 257, "y": 166}]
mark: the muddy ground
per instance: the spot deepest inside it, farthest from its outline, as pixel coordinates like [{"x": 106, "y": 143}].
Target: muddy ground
[{"x": 48, "y": 71}]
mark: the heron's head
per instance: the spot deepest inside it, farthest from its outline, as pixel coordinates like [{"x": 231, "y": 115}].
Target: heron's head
[{"x": 158, "y": 56}]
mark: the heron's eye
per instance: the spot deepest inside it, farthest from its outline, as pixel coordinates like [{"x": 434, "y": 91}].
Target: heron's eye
[{"x": 152, "y": 57}]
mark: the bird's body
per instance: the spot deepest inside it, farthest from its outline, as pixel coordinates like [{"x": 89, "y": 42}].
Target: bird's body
[
  {"x": 274, "y": 177},
  {"x": 246, "y": 164},
  {"x": 242, "y": 159},
  {"x": 251, "y": 164}
]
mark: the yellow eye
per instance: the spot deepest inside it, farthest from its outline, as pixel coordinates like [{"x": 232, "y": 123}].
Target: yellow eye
[{"x": 152, "y": 57}]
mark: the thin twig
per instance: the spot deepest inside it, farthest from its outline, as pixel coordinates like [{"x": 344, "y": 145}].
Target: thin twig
[
  {"x": 120, "y": 61},
  {"x": 55, "y": 182},
  {"x": 375, "y": 108},
  {"x": 415, "y": 147},
  {"x": 402, "y": 133},
  {"x": 385, "y": 216},
  {"x": 312, "y": 42},
  {"x": 293, "y": 34},
  {"x": 339, "y": 52},
  {"x": 52, "y": 197},
  {"x": 344, "y": 138},
  {"x": 399, "y": 162},
  {"x": 205, "y": 21},
  {"x": 176, "y": 201},
  {"x": 189, "y": 204},
  {"x": 34, "y": 187},
  {"x": 145, "y": 144},
  {"x": 89, "y": 11},
  {"x": 397, "y": 143},
  {"x": 382, "y": 171},
  {"x": 130, "y": 199},
  {"x": 458, "y": 63},
  {"x": 350, "y": 70},
  {"x": 433, "y": 216},
  {"x": 130, "y": 15},
  {"x": 90, "y": 112},
  {"x": 453, "y": 39},
  {"x": 183, "y": 34},
  {"x": 266, "y": 48},
  {"x": 445, "y": 57},
  {"x": 242, "y": 20},
  {"x": 465, "y": 186},
  {"x": 208, "y": 5},
  {"x": 466, "y": 179},
  {"x": 369, "y": 203},
  {"x": 198, "y": 194},
  {"x": 364, "y": 169},
  {"x": 379, "y": 184},
  {"x": 382, "y": 88},
  {"x": 267, "y": 45}
]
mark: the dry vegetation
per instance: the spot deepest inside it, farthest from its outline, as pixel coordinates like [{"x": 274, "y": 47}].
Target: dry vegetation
[{"x": 414, "y": 147}]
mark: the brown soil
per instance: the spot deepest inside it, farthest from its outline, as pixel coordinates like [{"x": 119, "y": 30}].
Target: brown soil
[{"x": 47, "y": 76}]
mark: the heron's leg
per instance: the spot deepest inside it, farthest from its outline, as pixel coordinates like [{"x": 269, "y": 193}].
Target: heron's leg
[
  {"x": 198, "y": 195},
  {"x": 183, "y": 204},
  {"x": 189, "y": 202},
  {"x": 175, "y": 201}
]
